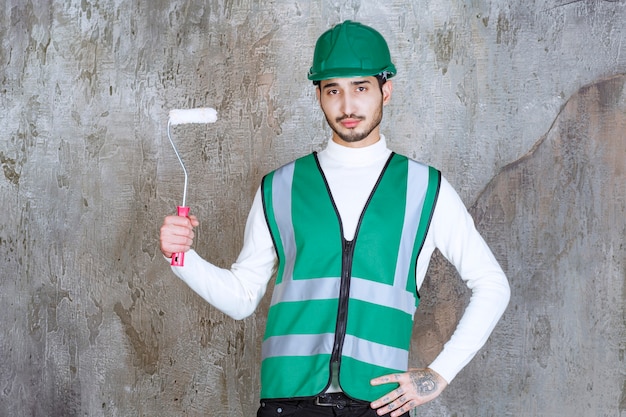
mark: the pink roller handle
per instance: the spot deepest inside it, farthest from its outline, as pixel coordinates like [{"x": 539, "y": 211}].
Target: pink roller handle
[{"x": 178, "y": 259}]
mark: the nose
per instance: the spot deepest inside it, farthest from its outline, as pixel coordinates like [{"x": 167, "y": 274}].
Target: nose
[{"x": 348, "y": 104}]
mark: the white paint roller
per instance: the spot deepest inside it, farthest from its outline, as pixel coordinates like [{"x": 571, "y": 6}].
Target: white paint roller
[
  {"x": 185, "y": 116},
  {"x": 180, "y": 117}
]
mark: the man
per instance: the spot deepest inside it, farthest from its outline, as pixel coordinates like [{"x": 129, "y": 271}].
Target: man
[{"x": 348, "y": 234}]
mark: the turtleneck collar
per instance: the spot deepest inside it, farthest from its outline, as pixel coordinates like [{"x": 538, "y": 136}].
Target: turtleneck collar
[{"x": 356, "y": 156}]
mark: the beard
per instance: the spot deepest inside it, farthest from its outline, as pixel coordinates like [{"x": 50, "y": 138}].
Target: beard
[{"x": 356, "y": 134}]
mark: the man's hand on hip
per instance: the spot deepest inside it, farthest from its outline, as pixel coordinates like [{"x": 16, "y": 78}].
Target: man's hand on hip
[{"x": 417, "y": 386}]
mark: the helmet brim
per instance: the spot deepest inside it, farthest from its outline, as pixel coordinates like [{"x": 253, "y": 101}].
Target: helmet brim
[{"x": 349, "y": 73}]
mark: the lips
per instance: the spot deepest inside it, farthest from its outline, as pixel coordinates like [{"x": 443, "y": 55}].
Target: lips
[{"x": 350, "y": 122}]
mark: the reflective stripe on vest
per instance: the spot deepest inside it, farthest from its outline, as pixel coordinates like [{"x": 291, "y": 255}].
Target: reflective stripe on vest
[{"x": 305, "y": 327}]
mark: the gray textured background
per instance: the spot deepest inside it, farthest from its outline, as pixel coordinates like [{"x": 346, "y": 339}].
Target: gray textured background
[{"x": 521, "y": 104}]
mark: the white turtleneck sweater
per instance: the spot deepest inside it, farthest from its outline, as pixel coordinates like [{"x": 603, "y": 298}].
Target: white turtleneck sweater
[{"x": 351, "y": 174}]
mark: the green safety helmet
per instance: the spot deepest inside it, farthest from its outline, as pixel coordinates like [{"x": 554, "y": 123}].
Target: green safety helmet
[{"x": 351, "y": 49}]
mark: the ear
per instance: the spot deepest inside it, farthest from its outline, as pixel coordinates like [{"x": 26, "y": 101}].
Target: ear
[
  {"x": 387, "y": 89},
  {"x": 318, "y": 91}
]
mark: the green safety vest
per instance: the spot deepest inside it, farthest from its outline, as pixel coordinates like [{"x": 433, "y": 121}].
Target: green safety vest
[{"x": 336, "y": 302}]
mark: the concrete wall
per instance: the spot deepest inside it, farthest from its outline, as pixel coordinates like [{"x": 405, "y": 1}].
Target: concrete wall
[{"x": 521, "y": 104}]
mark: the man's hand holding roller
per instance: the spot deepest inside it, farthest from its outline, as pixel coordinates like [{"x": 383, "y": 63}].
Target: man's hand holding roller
[{"x": 177, "y": 234}]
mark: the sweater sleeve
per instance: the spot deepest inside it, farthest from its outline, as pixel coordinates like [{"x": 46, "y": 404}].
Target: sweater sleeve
[
  {"x": 456, "y": 237},
  {"x": 236, "y": 291}
]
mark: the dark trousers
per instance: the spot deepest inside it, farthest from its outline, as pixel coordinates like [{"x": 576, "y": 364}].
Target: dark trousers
[{"x": 308, "y": 408}]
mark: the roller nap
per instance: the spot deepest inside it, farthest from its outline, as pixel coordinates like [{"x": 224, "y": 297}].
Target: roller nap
[{"x": 186, "y": 116}]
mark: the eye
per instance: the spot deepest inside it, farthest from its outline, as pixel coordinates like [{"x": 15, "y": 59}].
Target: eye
[
  {"x": 332, "y": 92},
  {"x": 361, "y": 88}
]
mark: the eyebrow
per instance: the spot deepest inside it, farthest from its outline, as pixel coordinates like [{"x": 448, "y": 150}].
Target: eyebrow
[{"x": 358, "y": 82}]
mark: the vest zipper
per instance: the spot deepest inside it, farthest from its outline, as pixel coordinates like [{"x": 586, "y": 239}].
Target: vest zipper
[{"x": 344, "y": 296}]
